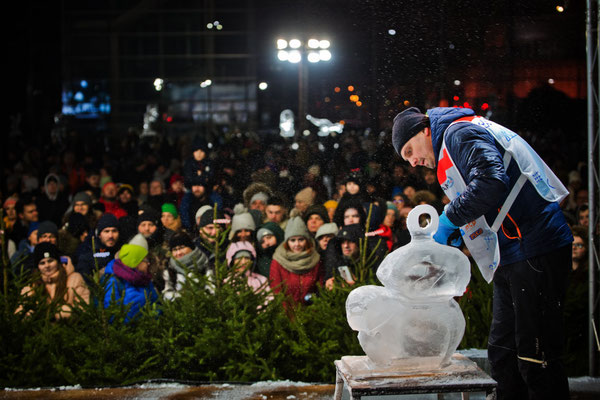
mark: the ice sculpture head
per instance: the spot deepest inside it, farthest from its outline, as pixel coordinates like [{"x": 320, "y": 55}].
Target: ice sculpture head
[{"x": 424, "y": 269}]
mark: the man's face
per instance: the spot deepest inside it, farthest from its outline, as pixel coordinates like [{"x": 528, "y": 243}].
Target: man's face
[
  {"x": 155, "y": 188},
  {"x": 47, "y": 237},
  {"x": 258, "y": 205},
  {"x": 198, "y": 190},
  {"x": 578, "y": 248},
  {"x": 109, "y": 236},
  {"x": 349, "y": 249},
  {"x": 351, "y": 216},
  {"x": 30, "y": 213},
  {"x": 177, "y": 186},
  {"x": 274, "y": 213},
  {"x": 584, "y": 218},
  {"x": 210, "y": 232},
  {"x": 314, "y": 222},
  {"x": 147, "y": 228},
  {"x": 109, "y": 191},
  {"x": 419, "y": 150},
  {"x": 167, "y": 218},
  {"x": 268, "y": 241}
]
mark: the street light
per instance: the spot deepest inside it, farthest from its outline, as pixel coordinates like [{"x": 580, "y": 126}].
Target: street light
[{"x": 295, "y": 51}]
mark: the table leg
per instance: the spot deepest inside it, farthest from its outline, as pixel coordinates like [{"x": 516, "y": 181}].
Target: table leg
[{"x": 339, "y": 385}]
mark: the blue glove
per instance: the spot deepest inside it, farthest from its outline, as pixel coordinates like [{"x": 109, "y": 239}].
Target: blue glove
[{"x": 445, "y": 230}]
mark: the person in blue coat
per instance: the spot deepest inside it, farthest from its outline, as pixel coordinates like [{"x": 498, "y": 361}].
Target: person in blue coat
[
  {"x": 526, "y": 234},
  {"x": 127, "y": 279}
]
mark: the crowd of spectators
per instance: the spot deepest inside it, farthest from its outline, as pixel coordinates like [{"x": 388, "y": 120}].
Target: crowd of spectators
[{"x": 144, "y": 212}]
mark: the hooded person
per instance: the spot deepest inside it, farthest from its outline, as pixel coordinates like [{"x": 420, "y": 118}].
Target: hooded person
[
  {"x": 324, "y": 235},
  {"x": 350, "y": 211},
  {"x": 127, "y": 279},
  {"x": 343, "y": 258},
  {"x": 268, "y": 237},
  {"x": 186, "y": 262},
  {"x": 53, "y": 202},
  {"x": 296, "y": 269},
  {"x": 256, "y": 197},
  {"x": 82, "y": 203},
  {"x": 198, "y": 195},
  {"x": 198, "y": 163},
  {"x": 99, "y": 249},
  {"x": 241, "y": 258}
]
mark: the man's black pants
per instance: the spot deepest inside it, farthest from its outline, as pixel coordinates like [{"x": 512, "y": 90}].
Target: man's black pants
[{"x": 526, "y": 337}]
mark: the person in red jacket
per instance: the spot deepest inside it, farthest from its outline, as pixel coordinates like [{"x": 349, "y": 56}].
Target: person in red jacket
[{"x": 296, "y": 269}]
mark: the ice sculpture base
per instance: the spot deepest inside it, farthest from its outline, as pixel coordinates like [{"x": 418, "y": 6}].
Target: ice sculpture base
[{"x": 363, "y": 378}]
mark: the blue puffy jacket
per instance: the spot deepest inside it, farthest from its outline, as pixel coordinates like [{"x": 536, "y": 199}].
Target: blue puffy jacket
[
  {"x": 126, "y": 293},
  {"x": 478, "y": 157}
]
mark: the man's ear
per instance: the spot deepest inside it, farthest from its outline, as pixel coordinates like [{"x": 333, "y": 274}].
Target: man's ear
[{"x": 427, "y": 131}]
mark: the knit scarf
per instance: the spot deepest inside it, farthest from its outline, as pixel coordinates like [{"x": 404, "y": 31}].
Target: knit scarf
[
  {"x": 194, "y": 260},
  {"x": 131, "y": 275},
  {"x": 296, "y": 263}
]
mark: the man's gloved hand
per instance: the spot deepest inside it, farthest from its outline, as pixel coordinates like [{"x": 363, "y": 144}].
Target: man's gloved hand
[{"x": 445, "y": 230}]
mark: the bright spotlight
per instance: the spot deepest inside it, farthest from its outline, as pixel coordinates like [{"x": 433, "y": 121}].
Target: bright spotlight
[
  {"x": 263, "y": 85},
  {"x": 313, "y": 43},
  {"x": 282, "y": 44},
  {"x": 295, "y": 57},
  {"x": 325, "y": 55},
  {"x": 313, "y": 57},
  {"x": 295, "y": 43},
  {"x": 324, "y": 44},
  {"x": 391, "y": 32},
  {"x": 283, "y": 55}
]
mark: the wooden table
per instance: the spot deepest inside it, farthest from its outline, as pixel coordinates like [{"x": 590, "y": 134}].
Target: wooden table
[{"x": 364, "y": 379}]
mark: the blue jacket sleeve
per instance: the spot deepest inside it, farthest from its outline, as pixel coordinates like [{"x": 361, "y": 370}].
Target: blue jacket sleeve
[{"x": 479, "y": 161}]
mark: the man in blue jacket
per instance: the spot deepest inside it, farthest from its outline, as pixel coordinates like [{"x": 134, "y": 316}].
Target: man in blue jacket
[{"x": 505, "y": 205}]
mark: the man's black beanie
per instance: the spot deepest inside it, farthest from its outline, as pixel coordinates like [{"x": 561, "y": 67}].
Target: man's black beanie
[
  {"x": 406, "y": 125},
  {"x": 106, "y": 221}
]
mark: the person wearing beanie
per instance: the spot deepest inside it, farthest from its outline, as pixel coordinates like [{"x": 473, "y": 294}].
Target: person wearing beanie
[
  {"x": 324, "y": 235},
  {"x": 109, "y": 200},
  {"x": 198, "y": 195},
  {"x": 126, "y": 200},
  {"x": 241, "y": 257},
  {"x": 127, "y": 279},
  {"x": 478, "y": 164},
  {"x": 186, "y": 262},
  {"x": 296, "y": 269},
  {"x": 330, "y": 205},
  {"x": 100, "y": 248},
  {"x": 268, "y": 237},
  {"x": 176, "y": 189},
  {"x": 210, "y": 226},
  {"x": 304, "y": 199},
  {"x": 72, "y": 234},
  {"x": 47, "y": 232},
  {"x": 151, "y": 228},
  {"x": 61, "y": 284},
  {"x": 170, "y": 220},
  {"x": 314, "y": 217},
  {"x": 243, "y": 226}
]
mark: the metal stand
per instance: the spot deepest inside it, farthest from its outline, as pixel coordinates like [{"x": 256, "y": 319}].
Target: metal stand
[{"x": 364, "y": 379}]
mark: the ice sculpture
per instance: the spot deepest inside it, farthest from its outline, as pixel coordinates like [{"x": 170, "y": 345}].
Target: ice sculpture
[
  {"x": 325, "y": 126},
  {"x": 413, "y": 321},
  {"x": 286, "y": 123}
]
